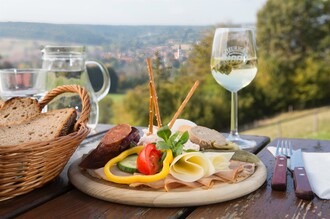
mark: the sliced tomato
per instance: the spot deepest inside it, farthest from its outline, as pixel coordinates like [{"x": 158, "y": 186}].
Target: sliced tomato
[{"x": 148, "y": 161}]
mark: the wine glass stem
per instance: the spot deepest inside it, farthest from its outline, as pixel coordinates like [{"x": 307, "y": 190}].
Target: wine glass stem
[{"x": 233, "y": 120}]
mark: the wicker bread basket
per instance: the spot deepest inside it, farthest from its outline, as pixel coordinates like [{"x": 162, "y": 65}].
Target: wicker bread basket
[{"x": 27, "y": 166}]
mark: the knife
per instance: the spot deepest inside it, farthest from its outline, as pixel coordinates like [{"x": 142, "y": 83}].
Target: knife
[{"x": 302, "y": 187}]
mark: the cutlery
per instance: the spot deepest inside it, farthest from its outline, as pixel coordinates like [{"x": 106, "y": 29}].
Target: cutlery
[
  {"x": 302, "y": 187},
  {"x": 279, "y": 175}
]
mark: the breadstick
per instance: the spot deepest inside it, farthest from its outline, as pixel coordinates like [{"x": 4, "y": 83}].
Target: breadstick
[
  {"x": 183, "y": 104},
  {"x": 151, "y": 111},
  {"x": 154, "y": 93}
]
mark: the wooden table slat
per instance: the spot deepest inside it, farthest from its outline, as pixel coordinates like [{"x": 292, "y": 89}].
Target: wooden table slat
[
  {"x": 266, "y": 203},
  {"x": 76, "y": 204}
]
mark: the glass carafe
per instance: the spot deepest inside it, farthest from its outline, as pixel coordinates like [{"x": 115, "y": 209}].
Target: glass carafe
[{"x": 66, "y": 65}]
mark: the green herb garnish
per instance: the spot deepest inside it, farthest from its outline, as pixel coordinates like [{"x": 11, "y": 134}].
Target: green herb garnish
[
  {"x": 174, "y": 142},
  {"x": 223, "y": 68}
]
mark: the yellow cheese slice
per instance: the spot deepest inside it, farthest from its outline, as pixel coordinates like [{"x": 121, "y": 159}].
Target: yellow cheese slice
[
  {"x": 220, "y": 161},
  {"x": 190, "y": 167}
]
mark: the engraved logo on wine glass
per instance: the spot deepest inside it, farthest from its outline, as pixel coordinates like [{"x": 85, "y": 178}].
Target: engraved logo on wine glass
[{"x": 233, "y": 57}]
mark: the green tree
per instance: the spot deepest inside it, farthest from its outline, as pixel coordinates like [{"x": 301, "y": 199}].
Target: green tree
[{"x": 293, "y": 40}]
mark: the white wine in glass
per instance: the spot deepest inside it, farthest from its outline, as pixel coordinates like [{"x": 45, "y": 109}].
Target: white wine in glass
[{"x": 234, "y": 66}]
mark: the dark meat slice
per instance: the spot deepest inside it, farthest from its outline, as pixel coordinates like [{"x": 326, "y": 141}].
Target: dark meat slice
[{"x": 116, "y": 140}]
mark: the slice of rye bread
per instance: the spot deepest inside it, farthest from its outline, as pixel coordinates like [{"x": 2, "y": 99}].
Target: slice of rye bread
[
  {"x": 206, "y": 138},
  {"x": 42, "y": 127},
  {"x": 17, "y": 109}
]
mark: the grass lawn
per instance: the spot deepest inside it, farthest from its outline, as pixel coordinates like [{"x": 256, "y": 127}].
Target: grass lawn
[{"x": 312, "y": 123}]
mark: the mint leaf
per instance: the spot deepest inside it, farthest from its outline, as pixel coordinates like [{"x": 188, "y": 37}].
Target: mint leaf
[
  {"x": 178, "y": 149},
  {"x": 163, "y": 157},
  {"x": 162, "y": 145},
  {"x": 184, "y": 137},
  {"x": 174, "y": 136},
  {"x": 164, "y": 133},
  {"x": 173, "y": 142}
]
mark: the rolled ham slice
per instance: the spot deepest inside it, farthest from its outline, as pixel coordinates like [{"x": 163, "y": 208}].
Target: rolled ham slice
[{"x": 238, "y": 171}]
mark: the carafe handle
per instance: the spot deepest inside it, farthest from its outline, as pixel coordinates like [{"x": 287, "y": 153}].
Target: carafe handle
[{"x": 106, "y": 80}]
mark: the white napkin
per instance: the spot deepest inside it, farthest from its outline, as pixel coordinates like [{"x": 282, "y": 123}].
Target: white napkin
[{"x": 317, "y": 168}]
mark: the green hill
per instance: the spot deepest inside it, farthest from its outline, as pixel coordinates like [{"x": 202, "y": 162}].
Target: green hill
[{"x": 100, "y": 34}]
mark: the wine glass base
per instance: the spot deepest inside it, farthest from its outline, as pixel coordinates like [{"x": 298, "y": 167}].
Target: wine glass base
[{"x": 242, "y": 143}]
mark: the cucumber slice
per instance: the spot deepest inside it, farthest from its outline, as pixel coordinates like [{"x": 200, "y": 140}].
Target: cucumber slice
[{"x": 128, "y": 164}]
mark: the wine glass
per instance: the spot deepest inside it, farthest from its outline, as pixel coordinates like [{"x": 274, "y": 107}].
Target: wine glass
[
  {"x": 234, "y": 66},
  {"x": 22, "y": 83}
]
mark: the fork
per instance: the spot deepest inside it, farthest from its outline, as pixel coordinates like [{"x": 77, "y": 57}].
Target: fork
[
  {"x": 283, "y": 150},
  {"x": 286, "y": 148}
]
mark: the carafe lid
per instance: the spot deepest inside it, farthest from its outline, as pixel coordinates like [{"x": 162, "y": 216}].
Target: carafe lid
[{"x": 63, "y": 51}]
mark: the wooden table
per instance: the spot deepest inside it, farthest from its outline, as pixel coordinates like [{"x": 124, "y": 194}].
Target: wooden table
[{"x": 59, "y": 199}]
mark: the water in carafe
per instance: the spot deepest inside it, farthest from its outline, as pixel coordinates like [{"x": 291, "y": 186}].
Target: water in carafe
[{"x": 67, "y": 65}]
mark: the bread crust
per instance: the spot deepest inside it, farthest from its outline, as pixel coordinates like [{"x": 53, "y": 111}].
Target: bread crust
[
  {"x": 68, "y": 126},
  {"x": 18, "y": 109}
]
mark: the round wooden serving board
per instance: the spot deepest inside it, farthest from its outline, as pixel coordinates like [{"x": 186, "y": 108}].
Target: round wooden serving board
[{"x": 183, "y": 197}]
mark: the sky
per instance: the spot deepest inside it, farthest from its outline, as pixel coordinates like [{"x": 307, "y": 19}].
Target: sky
[{"x": 132, "y": 12}]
